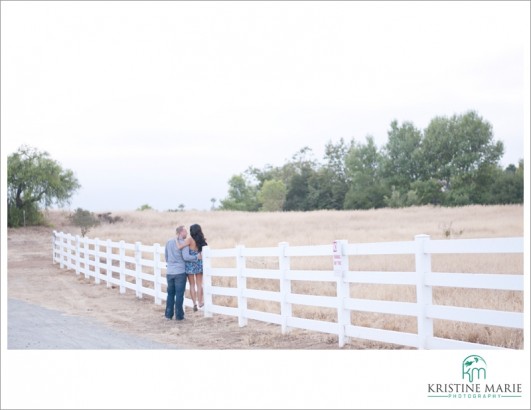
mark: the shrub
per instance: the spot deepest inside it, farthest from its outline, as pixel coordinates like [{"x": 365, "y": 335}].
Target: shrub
[
  {"x": 84, "y": 219},
  {"x": 107, "y": 217},
  {"x": 28, "y": 216},
  {"x": 144, "y": 207}
]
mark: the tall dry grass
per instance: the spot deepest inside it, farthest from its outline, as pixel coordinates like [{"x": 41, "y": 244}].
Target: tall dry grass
[{"x": 226, "y": 229}]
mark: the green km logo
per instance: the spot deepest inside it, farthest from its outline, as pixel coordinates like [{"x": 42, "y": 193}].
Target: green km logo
[{"x": 474, "y": 367}]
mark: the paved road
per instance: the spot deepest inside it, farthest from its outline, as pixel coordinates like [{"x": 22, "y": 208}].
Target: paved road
[{"x": 34, "y": 327}]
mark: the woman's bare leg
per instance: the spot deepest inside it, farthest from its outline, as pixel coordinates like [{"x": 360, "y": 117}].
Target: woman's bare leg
[
  {"x": 199, "y": 279},
  {"x": 193, "y": 293}
]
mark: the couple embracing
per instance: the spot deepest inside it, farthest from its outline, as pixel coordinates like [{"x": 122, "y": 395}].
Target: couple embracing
[{"x": 184, "y": 260}]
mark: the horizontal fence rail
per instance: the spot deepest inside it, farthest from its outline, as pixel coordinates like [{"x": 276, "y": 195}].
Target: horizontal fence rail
[{"x": 142, "y": 269}]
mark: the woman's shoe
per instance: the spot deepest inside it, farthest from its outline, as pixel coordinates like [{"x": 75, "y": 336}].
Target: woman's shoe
[
  {"x": 201, "y": 305},
  {"x": 195, "y": 308}
]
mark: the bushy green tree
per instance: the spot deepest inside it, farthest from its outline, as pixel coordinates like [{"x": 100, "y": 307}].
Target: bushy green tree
[
  {"x": 401, "y": 157},
  {"x": 242, "y": 195},
  {"x": 457, "y": 146},
  {"x": 428, "y": 192},
  {"x": 366, "y": 188},
  {"x": 299, "y": 171},
  {"x": 272, "y": 196},
  {"x": 329, "y": 184},
  {"x": 298, "y": 195},
  {"x": 325, "y": 191},
  {"x": 507, "y": 186},
  {"x": 34, "y": 180}
]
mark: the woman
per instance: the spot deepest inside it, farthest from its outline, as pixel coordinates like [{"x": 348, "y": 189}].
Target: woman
[{"x": 194, "y": 270}]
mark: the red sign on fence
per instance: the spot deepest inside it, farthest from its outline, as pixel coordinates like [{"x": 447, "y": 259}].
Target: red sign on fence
[{"x": 337, "y": 258}]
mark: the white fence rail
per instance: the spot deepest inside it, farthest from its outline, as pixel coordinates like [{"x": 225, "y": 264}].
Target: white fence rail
[{"x": 127, "y": 266}]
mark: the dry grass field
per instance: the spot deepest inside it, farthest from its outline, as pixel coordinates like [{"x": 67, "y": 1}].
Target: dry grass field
[{"x": 224, "y": 229}]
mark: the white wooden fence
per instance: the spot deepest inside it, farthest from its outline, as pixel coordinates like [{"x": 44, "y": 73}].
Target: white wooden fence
[{"x": 127, "y": 266}]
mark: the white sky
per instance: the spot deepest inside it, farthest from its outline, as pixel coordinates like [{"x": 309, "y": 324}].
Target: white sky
[{"x": 160, "y": 103}]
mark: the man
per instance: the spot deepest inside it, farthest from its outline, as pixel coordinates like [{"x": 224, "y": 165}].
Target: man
[{"x": 175, "y": 275}]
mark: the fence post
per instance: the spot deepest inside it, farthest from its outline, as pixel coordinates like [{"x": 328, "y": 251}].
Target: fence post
[
  {"x": 58, "y": 246},
  {"x": 64, "y": 251},
  {"x": 78, "y": 256},
  {"x": 424, "y": 292},
  {"x": 156, "y": 272},
  {"x": 241, "y": 283},
  {"x": 68, "y": 240},
  {"x": 108, "y": 268},
  {"x": 122, "y": 266},
  {"x": 97, "y": 262},
  {"x": 343, "y": 289},
  {"x": 207, "y": 281},
  {"x": 87, "y": 257},
  {"x": 285, "y": 286},
  {"x": 138, "y": 270},
  {"x": 54, "y": 236},
  {"x": 70, "y": 251},
  {"x": 61, "y": 250}
]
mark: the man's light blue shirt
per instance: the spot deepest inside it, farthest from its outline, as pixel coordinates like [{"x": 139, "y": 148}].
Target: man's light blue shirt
[{"x": 174, "y": 257}]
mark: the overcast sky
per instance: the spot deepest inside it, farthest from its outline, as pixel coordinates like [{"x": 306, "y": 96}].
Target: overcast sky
[{"x": 160, "y": 103}]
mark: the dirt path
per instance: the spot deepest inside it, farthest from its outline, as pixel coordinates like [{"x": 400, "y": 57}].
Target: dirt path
[{"x": 33, "y": 278}]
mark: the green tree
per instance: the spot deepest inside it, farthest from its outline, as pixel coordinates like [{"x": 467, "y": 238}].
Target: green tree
[
  {"x": 298, "y": 195},
  {"x": 453, "y": 149},
  {"x": 267, "y": 173},
  {"x": 323, "y": 192},
  {"x": 428, "y": 192},
  {"x": 330, "y": 183},
  {"x": 507, "y": 186},
  {"x": 295, "y": 175},
  {"x": 272, "y": 196},
  {"x": 242, "y": 195},
  {"x": 401, "y": 157},
  {"x": 366, "y": 188},
  {"x": 298, "y": 173},
  {"x": 34, "y": 180},
  {"x": 490, "y": 184}
]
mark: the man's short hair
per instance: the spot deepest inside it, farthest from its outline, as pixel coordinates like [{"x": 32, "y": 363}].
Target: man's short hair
[{"x": 179, "y": 229}]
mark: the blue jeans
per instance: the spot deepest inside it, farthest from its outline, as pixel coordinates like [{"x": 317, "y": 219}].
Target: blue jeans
[{"x": 175, "y": 300}]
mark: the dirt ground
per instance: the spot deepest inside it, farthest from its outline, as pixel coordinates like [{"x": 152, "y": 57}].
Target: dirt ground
[{"x": 33, "y": 278}]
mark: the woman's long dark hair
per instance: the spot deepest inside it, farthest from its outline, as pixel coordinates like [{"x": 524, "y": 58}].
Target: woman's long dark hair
[{"x": 199, "y": 238}]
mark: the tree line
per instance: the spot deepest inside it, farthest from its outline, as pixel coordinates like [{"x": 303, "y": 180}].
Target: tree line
[{"x": 453, "y": 162}]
